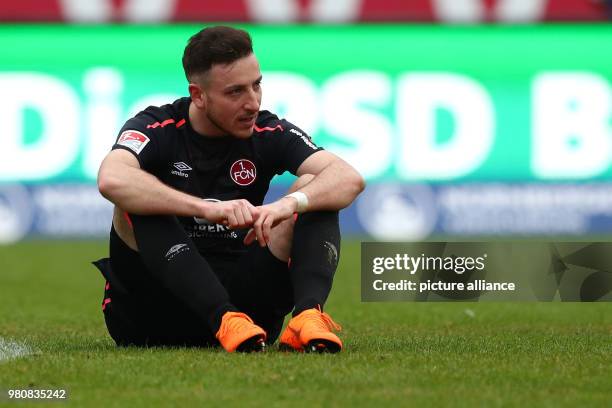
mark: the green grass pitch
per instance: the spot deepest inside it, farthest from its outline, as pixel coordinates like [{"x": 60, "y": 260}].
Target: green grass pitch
[{"x": 396, "y": 354}]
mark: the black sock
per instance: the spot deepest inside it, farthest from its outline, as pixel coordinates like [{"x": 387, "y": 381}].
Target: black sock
[
  {"x": 172, "y": 257},
  {"x": 314, "y": 257}
]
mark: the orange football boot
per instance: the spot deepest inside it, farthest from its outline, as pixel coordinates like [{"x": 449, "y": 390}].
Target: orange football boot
[
  {"x": 311, "y": 331},
  {"x": 239, "y": 333}
]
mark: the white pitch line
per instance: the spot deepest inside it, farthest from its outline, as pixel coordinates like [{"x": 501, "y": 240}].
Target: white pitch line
[{"x": 10, "y": 349}]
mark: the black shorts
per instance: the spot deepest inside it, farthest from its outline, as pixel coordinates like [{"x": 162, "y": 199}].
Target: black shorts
[{"x": 138, "y": 310}]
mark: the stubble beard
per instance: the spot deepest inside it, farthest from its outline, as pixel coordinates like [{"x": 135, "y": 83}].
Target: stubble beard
[
  {"x": 218, "y": 125},
  {"x": 222, "y": 128}
]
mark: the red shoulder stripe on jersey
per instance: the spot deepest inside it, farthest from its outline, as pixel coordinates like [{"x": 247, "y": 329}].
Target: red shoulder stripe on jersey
[
  {"x": 263, "y": 129},
  {"x": 157, "y": 124},
  {"x": 165, "y": 123}
]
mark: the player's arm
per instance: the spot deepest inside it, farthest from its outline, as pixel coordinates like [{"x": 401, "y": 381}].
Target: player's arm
[
  {"x": 335, "y": 185},
  {"x": 124, "y": 183},
  {"x": 121, "y": 181}
]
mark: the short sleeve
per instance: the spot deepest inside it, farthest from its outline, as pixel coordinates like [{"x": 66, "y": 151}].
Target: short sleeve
[
  {"x": 136, "y": 139},
  {"x": 292, "y": 146}
]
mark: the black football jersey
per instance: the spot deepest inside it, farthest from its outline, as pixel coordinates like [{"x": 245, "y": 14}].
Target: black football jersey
[{"x": 213, "y": 168}]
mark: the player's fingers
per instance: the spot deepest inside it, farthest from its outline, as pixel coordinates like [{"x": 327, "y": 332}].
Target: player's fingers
[
  {"x": 267, "y": 228},
  {"x": 232, "y": 222},
  {"x": 277, "y": 221},
  {"x": 239, "y": 217},
  {"x": 250, "y": 206},
  {"x": 259, "y": 231},
  {"x": 246, "y": 213},
  {"x": 255, "y": 212}
]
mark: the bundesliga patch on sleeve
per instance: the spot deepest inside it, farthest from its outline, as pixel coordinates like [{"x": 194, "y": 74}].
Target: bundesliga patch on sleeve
[{"x": 133, "y": 140}]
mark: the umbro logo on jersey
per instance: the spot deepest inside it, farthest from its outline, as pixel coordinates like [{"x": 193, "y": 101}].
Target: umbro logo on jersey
[{"x": 181, "y": 168}]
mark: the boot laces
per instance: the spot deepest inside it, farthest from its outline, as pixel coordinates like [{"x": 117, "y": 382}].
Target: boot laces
[
  {"x": 330, "y": 322},
  {"x": 325, "y": 322},
  {"x": 235, "y": 323}
]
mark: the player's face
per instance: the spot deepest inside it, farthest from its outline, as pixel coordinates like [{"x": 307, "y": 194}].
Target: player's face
[{"x": 233, "y": 97}]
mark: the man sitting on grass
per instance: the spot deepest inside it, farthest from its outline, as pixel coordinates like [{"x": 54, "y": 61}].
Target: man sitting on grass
[{"x": 188, "y": 180}]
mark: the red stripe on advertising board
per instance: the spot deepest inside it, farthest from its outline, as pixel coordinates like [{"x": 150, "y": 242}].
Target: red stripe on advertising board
[
  {"x": 238, "y": 10},
  {"x": 198, "y": 10},
  {"x": 575, "y": 10},
  {"x": 31, "y": 10},
  {"x": 396, "y": 10}
]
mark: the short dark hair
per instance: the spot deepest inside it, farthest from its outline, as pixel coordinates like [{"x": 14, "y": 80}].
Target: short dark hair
[{"x": 215, "y": 45}]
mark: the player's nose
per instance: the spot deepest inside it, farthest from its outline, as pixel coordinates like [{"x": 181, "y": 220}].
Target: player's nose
[{"x": 253, "y": 101}]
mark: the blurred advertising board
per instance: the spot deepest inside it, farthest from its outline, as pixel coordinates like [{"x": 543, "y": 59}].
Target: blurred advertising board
[
  {"x": 290, "y": 11},
  {"x": 469, "y": 112},
  {"x": 384, "y": 211}
]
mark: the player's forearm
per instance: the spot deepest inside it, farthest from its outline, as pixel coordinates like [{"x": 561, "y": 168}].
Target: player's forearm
[
  {"x": 139, "y": 192},
  {"x": 335, "y": 188}
]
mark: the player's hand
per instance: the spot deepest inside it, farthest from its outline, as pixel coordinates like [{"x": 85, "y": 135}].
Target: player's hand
[
  {"x": 269, "y": 216},
  {"x": 235, "y": 214}
]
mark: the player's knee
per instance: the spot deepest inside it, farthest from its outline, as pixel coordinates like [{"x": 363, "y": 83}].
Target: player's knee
[{"x": 281, "y": 239}]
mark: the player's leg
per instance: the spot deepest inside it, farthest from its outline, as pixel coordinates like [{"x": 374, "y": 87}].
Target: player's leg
[
  {"x": 313, "y": 245},
  {"x": 139, "y": 311},
  {"x": 281, "y": 236},
  {"x": 260, "y": 285},
  {"x": 312, "y": 242},
  {"x": 173, "y": 258},
  {"x": 173, "y": 261},
  {"x": 314, "y": 259}
]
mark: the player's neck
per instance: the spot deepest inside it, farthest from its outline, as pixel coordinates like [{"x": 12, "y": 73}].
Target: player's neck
[{"x": 202, "y": 126}]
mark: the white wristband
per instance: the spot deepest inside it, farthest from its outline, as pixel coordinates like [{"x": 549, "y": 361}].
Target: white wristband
[{"x": 302, "y": 201}]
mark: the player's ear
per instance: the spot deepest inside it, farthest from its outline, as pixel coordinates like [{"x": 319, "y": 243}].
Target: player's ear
[{"x": 197, "y": 94}]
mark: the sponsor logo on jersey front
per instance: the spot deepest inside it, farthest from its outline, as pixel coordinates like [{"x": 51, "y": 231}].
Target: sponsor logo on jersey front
[
  {"x": 243, "y": 172},
  {"x": 181, "y": 169},
  {"x": 204, "y": 221},
  {"x": 204, "y": 228},
  {"x": 133, "y": 140}
]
